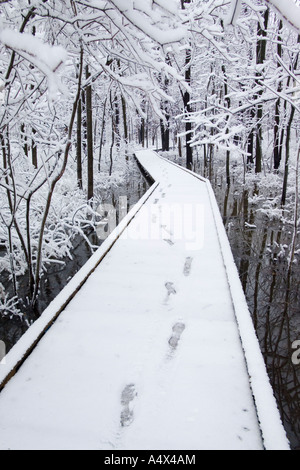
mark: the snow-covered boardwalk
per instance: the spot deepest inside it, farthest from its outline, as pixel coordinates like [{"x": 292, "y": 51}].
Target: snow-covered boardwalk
[{"x": 156, "y": 350}]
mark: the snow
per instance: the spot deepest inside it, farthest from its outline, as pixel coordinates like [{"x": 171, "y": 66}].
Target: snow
[
  {"x": 22, "y": 42},
  {"x": 135, "y": 11},
  {"x": 2, "y": 85},
  {"x": 234, "y": 12},
  {"x": 289, "y": 11},
  {"x": 46, "y": 58},
  {"x": 156, "y": 348}
]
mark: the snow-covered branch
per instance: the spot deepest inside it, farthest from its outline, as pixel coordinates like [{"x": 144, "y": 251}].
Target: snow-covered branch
[
  {"x": 288, "y": 10},
  {"x": 46, "y": 58},
  {"x": 141, "y": 14}
]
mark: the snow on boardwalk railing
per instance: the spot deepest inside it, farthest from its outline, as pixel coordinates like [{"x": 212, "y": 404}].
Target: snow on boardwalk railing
[{"x": 153, "y": 345}]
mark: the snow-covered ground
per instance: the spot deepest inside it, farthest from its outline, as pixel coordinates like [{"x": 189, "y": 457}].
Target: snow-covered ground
[{"x": 155, "y": 350}]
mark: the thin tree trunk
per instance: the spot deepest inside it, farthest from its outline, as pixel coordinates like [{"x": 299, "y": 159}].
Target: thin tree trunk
[
  {"x": 112, "y": 145},
  {"x": 90, "y": 146},
  {"x": 260, "y": 59},
  {"x": 112, "y": 136},
  {"x": 79, "y": 145},
  {"x": 24, "y": 139},
  {"x": 165, "y": 136},
  {"x": 186, "y": 102},
  {"x": 179, "y": 147},
  {"x": 53, "y": 185},
  {"x": 12, "y": 200},
  {"x": 228, "y": 102},
  {"x": 296, "y": 213},
  {"x": 142, "y": 133},
  {"x": 277, "y": 148},
  {"x": 287, "y": 157},
  {"x": 34, "y": 156},
  {"x": 288, "y": 136},
  {"x": 124, "y": 111},
  {"x": 102, "y": 135}
]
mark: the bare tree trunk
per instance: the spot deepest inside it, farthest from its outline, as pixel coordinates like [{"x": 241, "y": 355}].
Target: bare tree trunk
[
  {"x": 102, "y": 135},
  {"x": 53, "y": 185},
  {"x": 142, "y": 132},
  {"x": 79, "y": 145},
  {"x": 24, "y": 139},
  {"x": 90, "y": 146},
  {"x": 12, "y": 204},
  {"x": 124, "y": 111},
  {"x": 33, "y": 143},
  {"x": 250, "y": 143},
  {"x": 288, "y": 136},
  {"x": 165, "y": 135},
  {"x": 186, "y": 103},
  {"x": 188, "y": 125},
  {"x": 296, "y": 214},
  {"x": 179, "y": 147},
  {"x": 277, "y": 147},
  {"x": 228, "y": 102},
  {"x": 260, "y": 58},
  {"x": 287, "y": 157},
  {"x": 112, "y": 135}
]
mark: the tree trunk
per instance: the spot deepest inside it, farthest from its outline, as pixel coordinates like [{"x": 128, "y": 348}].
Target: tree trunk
[
  {"x": 113, "y": 133},
  {"x": 228, "y": 102},
  {"x": 89, "y": 130},
  {"x": 79, "y": 145},
  {"x": 250, "y": 143},
  {"x": 124, "y": 111},
  {"x": 102, "y": 135},
  {"x": 186, "y": 102},
  {"x": 34, "y": 150},
  {"x": 53, "y": 184},
  {"x": 33, "y": 143},
  {"x": 187, "y": 109},
  {"x": 165, "y": 136},
  {"x": 288, "y": 136},
  {"x": 277, "y": 154},
  {"x": 142, "y": 132},
  {"x": 287, "y": 157},
  {"x": 260, "y": 58},
  {"x": 24, "y": 139}
]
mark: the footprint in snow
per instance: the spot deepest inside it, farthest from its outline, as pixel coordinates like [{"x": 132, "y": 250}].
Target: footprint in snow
[
  {"x": 178, "y": 329},
  {"x": 165, "y": 228},
  {"x": 128, "y": 395},
  {"x": 187, "y": 266},
  {"x": 170, "y": 291},
  {"x": 170, "y": 288},
  {"x": 169, "y": 232}
]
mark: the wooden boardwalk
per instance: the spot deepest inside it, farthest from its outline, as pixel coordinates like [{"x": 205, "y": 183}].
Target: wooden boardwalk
[{"x": 152, "y": 346}]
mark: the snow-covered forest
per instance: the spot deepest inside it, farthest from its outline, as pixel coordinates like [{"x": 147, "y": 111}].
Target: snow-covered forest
[{"x": 212, "y": 84}]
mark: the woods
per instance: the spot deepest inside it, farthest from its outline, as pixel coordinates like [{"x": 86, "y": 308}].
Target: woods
[
  {"x": 216, "y": 78},
  {"x": 225, "y": 76}
]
